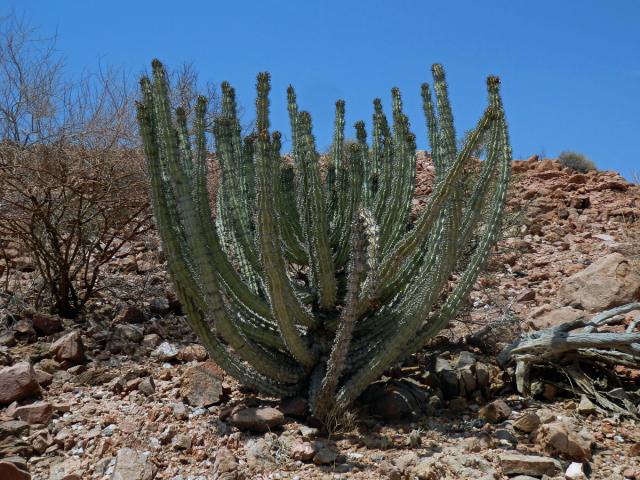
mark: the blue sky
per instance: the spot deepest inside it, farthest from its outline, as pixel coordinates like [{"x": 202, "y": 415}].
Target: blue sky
[{"x": 570, "y": 69}]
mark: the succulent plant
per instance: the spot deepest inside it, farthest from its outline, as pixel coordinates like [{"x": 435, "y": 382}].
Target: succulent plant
[{"x": 313, "y": 279}]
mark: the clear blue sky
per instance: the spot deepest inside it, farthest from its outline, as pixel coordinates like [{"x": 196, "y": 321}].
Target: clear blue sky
[{"x": 570, "y": 69}]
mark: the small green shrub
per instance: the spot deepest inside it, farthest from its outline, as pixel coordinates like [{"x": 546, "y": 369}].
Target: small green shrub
[{"x": 576, "y": 161}]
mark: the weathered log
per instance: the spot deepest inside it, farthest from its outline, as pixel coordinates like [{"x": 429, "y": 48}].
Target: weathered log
[{"x": 565, "y": 349}]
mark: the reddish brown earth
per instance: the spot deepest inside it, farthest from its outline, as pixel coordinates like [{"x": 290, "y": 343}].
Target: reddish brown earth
[{"x": 127, "y": 392}]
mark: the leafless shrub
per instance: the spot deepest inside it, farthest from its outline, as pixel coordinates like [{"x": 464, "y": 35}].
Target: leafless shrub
[
  {"x": 39, "y": 105},
  {"x": 72, "y": 209}
]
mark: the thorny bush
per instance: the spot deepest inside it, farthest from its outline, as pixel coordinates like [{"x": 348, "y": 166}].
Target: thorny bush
[{"x": 71, "y": 209}]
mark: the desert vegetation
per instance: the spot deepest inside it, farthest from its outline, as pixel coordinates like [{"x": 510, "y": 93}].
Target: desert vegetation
[
  {"x": 307, "y": 332},
  {"x": 181, "y": 298},
  {"x": 576, "y": 161}
]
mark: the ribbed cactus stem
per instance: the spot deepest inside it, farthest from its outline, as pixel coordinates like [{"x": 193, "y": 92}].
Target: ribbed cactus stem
[{"x": 319, "y": 283}]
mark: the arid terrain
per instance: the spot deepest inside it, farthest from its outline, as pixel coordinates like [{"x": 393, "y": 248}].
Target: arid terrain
[{"x": 125, "y": 391}]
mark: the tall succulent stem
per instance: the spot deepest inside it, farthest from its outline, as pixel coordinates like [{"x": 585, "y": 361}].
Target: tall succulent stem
[{"x": 319, "y": 283}]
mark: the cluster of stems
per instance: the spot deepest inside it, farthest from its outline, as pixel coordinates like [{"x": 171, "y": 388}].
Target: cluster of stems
[{"x": 311, "y": 279}]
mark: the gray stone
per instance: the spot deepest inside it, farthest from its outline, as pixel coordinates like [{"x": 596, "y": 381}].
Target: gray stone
[
  {"x": 325, "y": 456},
  {"x": 181, "y": 442},
  {"x": 15, "y": 428},
  {"x": 165, "y": 352},
  {"x": 151, "y": 340},
  {"x": 159, "y": 306},
  {"x": 465, "y": 359},
  {"x": 147, "y": 386},
  {"x": 132, "y": 333},
  {"x": 225, "y": 465},
  {"x": 259, "y": 454},
  {"x": 586, "y": 406}
]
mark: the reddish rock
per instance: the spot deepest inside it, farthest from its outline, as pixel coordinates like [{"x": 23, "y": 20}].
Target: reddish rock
[
  {"x": 578, "y": 178},
  {"x": 193, "y": 352},
  {"x": 68, "y": 348},
  {"x": 18, "y": 382},
  {"x": 130, "y": 314},
  {"x": 46, "y": 324},
  {"x": 546, "y": 165},
  {"x": 495, "y": 412},
  {"x": 513, "y": 464},
  {"x": 562, "y": 437},
  {"x": 9, "y": 471},
  {"x": 38, "y": 412},
  {"x": 201, "y": 384},
  {"x": 257, "y": 419},
  {"x": 303, "y": 451},
  {"x": 526, "y": 296}
]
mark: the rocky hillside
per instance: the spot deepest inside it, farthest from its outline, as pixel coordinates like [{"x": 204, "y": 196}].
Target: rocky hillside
[{"x": 126, "y": 393}]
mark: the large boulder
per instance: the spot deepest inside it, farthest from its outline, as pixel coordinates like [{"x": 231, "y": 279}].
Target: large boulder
[
  {"x": 606, "y": 283},
  {"x": 18, "y": 382}
]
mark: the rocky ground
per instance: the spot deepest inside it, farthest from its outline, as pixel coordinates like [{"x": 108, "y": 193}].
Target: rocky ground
[{"x": 126, "y": 393}]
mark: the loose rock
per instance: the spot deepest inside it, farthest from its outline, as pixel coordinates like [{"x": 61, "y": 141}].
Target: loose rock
[
  {"x": 201, "y": 385},
  {"x": 575, "y": 472},
  {"x": 10, "y": 471},
  {"x": 606, "y": 283},
  {"x": 303, "y": 451},
  {"x": 257, "y": 419},
  {"x": 563, "y": 438},
  {"x": 66, "y": 469},
  {"x": 225, "y": 466},
  {"x": 46, "y": 324},
  {"x": 495, "y": 412},
  {"x": 132, "y": 465},
  {"x": 165, "y": 352},
  {"x": 527, "y": 422},
  {"x": 38, "y": 412},
  {"x": 68, "y": 348},
  {"x": 513, "y": 464},
  {"x": 18, "y": 382}
]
